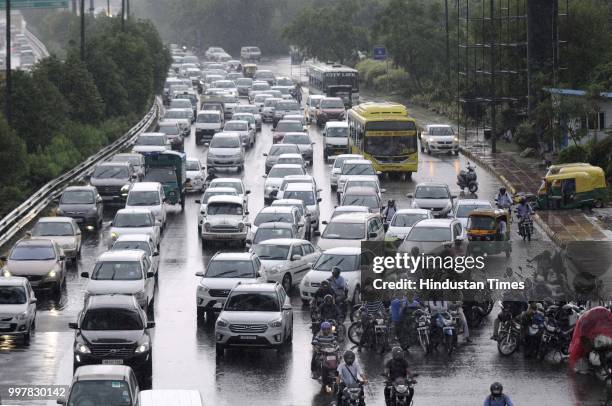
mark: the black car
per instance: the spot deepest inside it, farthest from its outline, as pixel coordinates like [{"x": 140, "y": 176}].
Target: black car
[
  {"x": 83, "y": 204},
  {"x": 113, "y": 330}
]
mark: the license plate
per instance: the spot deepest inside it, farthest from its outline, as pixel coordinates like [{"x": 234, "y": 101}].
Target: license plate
[
  {"x": 217, "y": 305},
  {"x": 331, "y": 358},
  {"x": 112, "y": 362},
  {"x": 4, "y": 325},
  {"x": 248, "y": 337}
]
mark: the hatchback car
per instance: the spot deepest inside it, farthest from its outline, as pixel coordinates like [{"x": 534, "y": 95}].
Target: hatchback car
[
  {"x": 226, "y": 150},
  {"x": 279, "y": 214},
  {"x": 435, "y": 237},
  {"x": 267, "y": 111},
  {"x": 242, "y": 127},
  {"x": 249, "y": 108},
  {"x": 63, "y": 230},
  {"x": 284, "y": 107},
  {"x": 439, "y": 138},
  {"x": 93, "y": 382},
  {"x": 244, "y": 85},
  {"x": 151, "y": 196},
  {"x": 276, "y": 151},
  {"x": 292, "y": 159},
  {"x": 302, "y": 209},
  {"x": 359, "y": 167},
  {"x": 83, "y": 204},
  {"x": 195, "y": 175},
  {"x": 127, "y": 272},
  {"x": 349, "y": 230},
  {"x": 348, "y": 209},
  {"x": 336, "y": 169},
  {"x": 17, "y": 308},
  {"x": 404, "y": 219},
  {"x": 330, "y": 108},
  {"x": 41, "y": 261},
  {"x": 174, "y": 133},
  {"x": 348, "y": 259},
  {"x": 224, "y": 271},
  {"x": 335, "y": 135},
  {"x": 362, "y": 196},
  {"x": 304, "y": 143},
  {"x": 136, "y": 160},
  {"x": 284, "y": 127},
  {"x": 266, "y": 75},
  {"x": 135, "y": 221},
  {"x": 113, "y": 330},
  {"x": 432, "y": 196},
  {"x": 312, "y": 104},
  {"x": 142, "y": 242},
  {"x": 269, "y": 231},
  {"x": 148, "y": 143},
  {"x": 275, "y": 177},
  {"x": 255, "y": 315},
  {"x": 307, "y": 193},
  {"x": 182, "y": 117}
]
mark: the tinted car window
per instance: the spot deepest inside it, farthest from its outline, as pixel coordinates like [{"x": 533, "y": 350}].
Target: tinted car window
[
  {"x": 12, "y": 295},
  {"x": 230, "y": 269},
  {"x": 253, "y": 302},
  {"x": 111, "y": 319},
  {"x": 117, "y": 271},
  {"x": 78, "y": 197},
  {"x": 133, "y": 220},
  {"x": 52, "y": 229}
]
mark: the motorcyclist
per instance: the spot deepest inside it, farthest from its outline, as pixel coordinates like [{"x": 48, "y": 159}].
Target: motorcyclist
[
  {"x": 511, "y": 307},
  {"x": 497, "y": 397},
  {"x": 523, "y": 209},
  {"x": 350, "y": 373},
  {"x": 323, "y": 338},
  {"x": 328, "y": 309},
  {"x": 396, "y": 367},
  {"x": 338, "y": 285},
  {"x": 503, "y": 199},
  {"x": 324, "y": 290}
]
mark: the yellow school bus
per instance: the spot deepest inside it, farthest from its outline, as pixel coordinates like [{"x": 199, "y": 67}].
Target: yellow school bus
[{"x": 386, "y": 135}]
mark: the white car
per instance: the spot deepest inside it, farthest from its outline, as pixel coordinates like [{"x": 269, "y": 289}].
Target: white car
[
  {"x": 286, "y": 260},
  {"x": 151, "y": 196},
  {"x": 439, "y": 138},
  {"x": 182, "y": 117},
  {"x": 348, "y": 259},
  {"x": 361, "y": 167},
  {"x": 142, "y": 242},
  {"x": 349, "y": 230},
  {"x": 295, "y": 159},
  {"x": 63, "y": 230},
  {"x": 234, "y": 183},
  {"x": 126, "y": 272},
  {"x": 242, "y": 127},
  {"x": 225, "y": 219},
  {"x": 463, "y": 207},
  {"x": 17, "y": 308},
  {"x": 224, "y": 271},
  {"x": 434, "y": 196},
  {"x": 307, "y": 193},
  {"x": 337, "y": 168},
  {"x": 279, "y": 214},
  {"x": 335, "y": 135},
  {"x": 150, "y": 143},
  {"x": 135, "y": 221},
  {"x": 275, "y": 177},
  {"x": 208, "y": 193},
  {"x": 361, "y": 181},
  {"x": 404, "y": 219},
  {"x": 348, "y": 209},
  {"x": 435, "y": 237},
  {"x": 195, "y": 175},
  {"x": 208, "y": 123},
  {"x": 249, "y": 108},
  {"x": 255, "y": 315}
]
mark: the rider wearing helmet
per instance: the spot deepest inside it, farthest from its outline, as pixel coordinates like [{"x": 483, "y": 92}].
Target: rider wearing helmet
[
  {"x": 504, "y": 200},
  {"x": 324, "y": 337},
  {"x": 338, "y": 285},
  {"x": 523, "y": 209},
  {"x": 328, "y": 309},
  {"x": 350, "y": 373},
  {"x": 396, "y": 367},
  {"x": 324, "y": 290},
  {"x": 497, "y": 396}
]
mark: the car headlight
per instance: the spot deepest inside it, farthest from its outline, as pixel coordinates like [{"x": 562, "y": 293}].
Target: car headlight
[
  {"x": 52, "y": 274},
  {"x": 6, "y": 273},
  {"x": 241, "y": 226},
  {"x": 83, "y": 349},
  {"x": 22, "y": 316},
  {"x": 114, "y": 235},
  {"x": 456, "y": 139},
  {"x": 449, "y": 206},
  {"x": 275, "y": 269},
  {"x": 222, "y": 323},
  {"x": 276, "y": 323},
  {"x": 207, "y": 226},
  {"x": 140, "y": 295},
  {"x": 144, "y": 347},
  {"x": 125, "y": 189},
  {"x": 203, "y": 287}
]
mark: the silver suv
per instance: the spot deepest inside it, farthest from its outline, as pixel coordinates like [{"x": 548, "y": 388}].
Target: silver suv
[
  {"x": 225, "y": 270},
  {"x": 255, "y": 315},
  {"x": 432, "y": 196},
  {"x": 225, "y": 151},
  {"x": 225, "y": 219}
]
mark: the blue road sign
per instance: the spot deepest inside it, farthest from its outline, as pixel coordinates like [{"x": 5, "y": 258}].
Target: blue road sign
[
  {"x": 25, "y": 4},
  {"x": 379, "y": 53}
]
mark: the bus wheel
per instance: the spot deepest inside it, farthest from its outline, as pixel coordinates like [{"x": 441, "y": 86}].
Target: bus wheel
[{"x": 408, "y": 176}]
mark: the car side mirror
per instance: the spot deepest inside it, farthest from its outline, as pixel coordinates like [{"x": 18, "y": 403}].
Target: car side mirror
[
  {"x": 150, "y": 274},
  {"x": 409, "y": 195},
  {"x": 28, "y": 234},
  {"x": 296, "y": 257},
  {"x": 33, "y": 301},
  {"x": 247, "y": 192},
  {"x": 62, "y": 257},
  {"x": 61, "y": 400},
  {"x": 258, "y": 274},
  {"x": 150, "y": 324},
  {"x": 317, "y": 233},
  {"x": 84, "y": 274},
  {"x": 453, "y": 196},
  {"x": 264, "y": 176},
  {"x": 265, "y": 154},
  {"x": 199, "y": 274},
  {"x": 319, "y": 200},
  {"x": 372, "y": 235},
  {"x": 198, "y": 201},
  {"x": 156, "y": 254},
  {"x": 308, "y": 215},
  {"x": 383, "y": 190},
  {"x": 73, "y": 326},
  {"x": 249, "y": 241},
  {"x": 324, "y": 222},
  {"x": 300, "y": 225},
  {"x": 287, "y": 307}
]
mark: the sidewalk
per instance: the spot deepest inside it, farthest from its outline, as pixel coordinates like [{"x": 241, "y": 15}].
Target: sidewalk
[{"x": 525, "y": 175}]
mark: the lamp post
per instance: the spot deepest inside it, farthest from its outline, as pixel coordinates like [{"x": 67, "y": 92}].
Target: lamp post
[{"x": 9, "y": 89}]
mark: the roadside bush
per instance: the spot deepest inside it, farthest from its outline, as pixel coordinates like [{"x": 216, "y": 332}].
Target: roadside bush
[
  {"x": 573, "y": 153},
  {"x": 391, "y": 80}
]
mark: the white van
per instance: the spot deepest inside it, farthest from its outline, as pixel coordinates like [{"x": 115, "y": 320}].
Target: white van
[
  {"x": 207, "y": 124},
  {"x": 165, "y": 397}
]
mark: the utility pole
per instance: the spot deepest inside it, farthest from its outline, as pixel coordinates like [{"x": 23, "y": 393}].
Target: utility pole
[
  {"x": 82, "y": 30},
  {"x": 108, "y": 13},
  {"x": 448, "y": 71},
  {"x": 123, "y": 14},
  {"x": 9, "y": 86},
  {"x": 75, "y": 8},
  {"x": 92, "y": 9},
  {"x": 493, "y": 84},
  {"x": 127, "y": 9}
]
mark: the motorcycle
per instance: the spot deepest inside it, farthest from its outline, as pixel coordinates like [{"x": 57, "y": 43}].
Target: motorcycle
[
  {"x": 476, "y": 312},
  {"x": 509, "y": 334},
  {"x": 338, "y": 329},
  {"x": 351, "y": 395},
  {"x": 467, "y": 179},
  {"x": 525, "y": 227},
  {"x": 329, "y": 359},
  {"x": 400, "y": 391},
  {"x": 444, "y": 332},
  {"x": 372, "y": 331},
  {"x": 534, "y": 332}
]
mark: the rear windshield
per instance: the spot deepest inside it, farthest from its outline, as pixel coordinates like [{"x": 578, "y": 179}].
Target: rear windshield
[
  {"x": 273, "y": 218},
  {"x": 358, "y": 169},
  {"x": 429, "y": 234},
  {"x": 284, "y": 149},
  {"x": 230, "y": 269},
  {"x": 288, "y": 127},
  {"x": 12, "y": 295},
  {"x": 236, "y": 126},
  {"x": 208, "y": 118},
  {"x": 78, "y": 197},
  {"x": 408, "y": 219},
  {"x": 117, "y": 271},
  {"x": 263, "y": 234},
  {"x": 304, "y": 195},
  {"x": 296, "y": 139},
  {"x": 277, "y": 172},
  {"x": 332, "y": 104},
  {"x": 153, "y": 140},
  {"x": 111, "y": 319},
  {"x": 225, "y": 142},
  {"x": 111, "y": 172},
  {"x": 287, "y": 105},
  {"x": 132, "y": 245},
  {"x": 133, "y": 220}
]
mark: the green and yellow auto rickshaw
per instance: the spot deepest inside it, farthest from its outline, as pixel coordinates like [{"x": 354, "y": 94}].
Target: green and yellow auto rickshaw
[
  {"x": 484, "y": 232},
  {"x": 249, "y": 69},
  {"x": 573, "y": 166},
  {"x": 571, "y": 188}
]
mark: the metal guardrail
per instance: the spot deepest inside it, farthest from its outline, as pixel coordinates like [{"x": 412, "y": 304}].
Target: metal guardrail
[
  {"x": 36, "y": 203},
  {"x": 36, "y": 43}
]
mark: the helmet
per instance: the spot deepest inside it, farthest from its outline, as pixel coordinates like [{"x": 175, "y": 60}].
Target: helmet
[
  {"x": 349, "y": 357},
  {"x": 391, "y": 202},
  {"x": 326, "y": 326},
  {"x": 523, "y": 200},
  {"x": 539, "y": 307},
  {"x": 397, "y": 352},
  {"x": 502, "y": 190},
  {"x": 328, "y": 299},
  {"x": 496, "y": 389},
  {"x": 336, "y": 271},
  {"x": 325, "y": 283}
]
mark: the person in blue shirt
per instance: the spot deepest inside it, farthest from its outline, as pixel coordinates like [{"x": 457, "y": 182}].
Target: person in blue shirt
[
  {"x": 397, "y": 308},
  {"x": 338, "y": 284},
  {"x": 497, "y": 396},
  {"x": 350, "y": 373}
]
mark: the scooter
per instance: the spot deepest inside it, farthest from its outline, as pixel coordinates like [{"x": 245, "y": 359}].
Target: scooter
[{"x": 467, "y": 179}]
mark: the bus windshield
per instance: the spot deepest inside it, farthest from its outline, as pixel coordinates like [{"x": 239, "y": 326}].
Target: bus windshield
[{"x": 391, "y": 145}]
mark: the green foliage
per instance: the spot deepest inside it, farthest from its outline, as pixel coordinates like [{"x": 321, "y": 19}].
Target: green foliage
[{"x": 573, "y": 153}]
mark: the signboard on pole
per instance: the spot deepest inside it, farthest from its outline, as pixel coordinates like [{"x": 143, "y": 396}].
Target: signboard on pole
[
  {"x": 29, "y": 4},
  {"x": 379, "y": 53}
]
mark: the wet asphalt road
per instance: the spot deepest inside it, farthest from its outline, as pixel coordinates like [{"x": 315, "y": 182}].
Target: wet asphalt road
[{"x": 184, "y": 354}]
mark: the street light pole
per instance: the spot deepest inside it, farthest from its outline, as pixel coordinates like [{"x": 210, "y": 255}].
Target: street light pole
[
  {"x": 108, "y": 8},
  {"x": 82, "y": 30},
  {"x": 9, "y": 86},
  {"x": 123, "y": 14}
]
